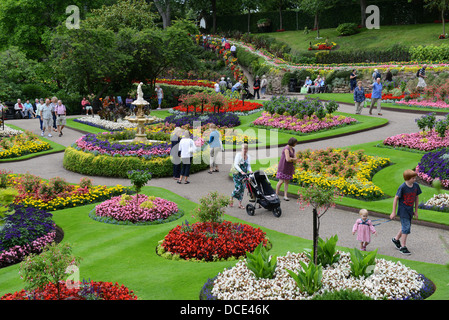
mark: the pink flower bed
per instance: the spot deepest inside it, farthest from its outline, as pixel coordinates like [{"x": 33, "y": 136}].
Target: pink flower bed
[
  {"x": 131, "y": 210},
  {"x": 306, "y": 125},
  {"x": 428, "y": 178},
  {"x": 425, "y": 103},
  {"x": 419, "y": 141},
  {"x": 18, "y": 253}
]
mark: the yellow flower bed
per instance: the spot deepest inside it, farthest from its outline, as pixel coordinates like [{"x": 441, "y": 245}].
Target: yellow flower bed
[
  {"x": 20, "y": 145},
  {"x": 349, "y": 172}
]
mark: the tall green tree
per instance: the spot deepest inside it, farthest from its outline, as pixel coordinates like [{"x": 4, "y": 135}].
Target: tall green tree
[
  {"x": 442, "y": 6},
  {"x": 316, "y": 8}
]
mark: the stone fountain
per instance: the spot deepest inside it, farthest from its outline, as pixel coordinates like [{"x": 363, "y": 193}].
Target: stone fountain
[{"x": 140, "y": 118}]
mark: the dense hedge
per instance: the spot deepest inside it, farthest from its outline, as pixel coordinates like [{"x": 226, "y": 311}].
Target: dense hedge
[{"x": 107, "y": 166}]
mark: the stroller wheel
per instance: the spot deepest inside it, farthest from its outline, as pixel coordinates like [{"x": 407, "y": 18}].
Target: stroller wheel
[
  {"x": 277, "y": 212},
  {"x": 250, "y": 209}
]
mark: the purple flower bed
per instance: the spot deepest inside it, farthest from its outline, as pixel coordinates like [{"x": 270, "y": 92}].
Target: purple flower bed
[
  {"x": 430, "y": 140},
  {"x": 26, "y": 231},
  {"x": 435, "y": 165},
  {"x": 220, "y": 120},
  {"x": 144, "y": 209},
  {"x": 91, "y": 143}
]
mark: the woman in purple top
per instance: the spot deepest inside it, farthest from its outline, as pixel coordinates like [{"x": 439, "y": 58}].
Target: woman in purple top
[{"x": 286, "y": 166}]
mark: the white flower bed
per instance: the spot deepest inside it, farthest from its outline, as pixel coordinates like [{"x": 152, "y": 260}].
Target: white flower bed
[
  {"x": 9, "y": 131},
  {"x": 391, "y": 279},
  {"x": 438, "y": 200},
  {"x": 106, "y": 124}
]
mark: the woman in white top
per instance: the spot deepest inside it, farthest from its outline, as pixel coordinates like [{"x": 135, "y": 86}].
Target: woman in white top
[
  {"x": 187, "y": 148},
  {"x": 242, "y": 166},
  {"x": 39, "y": 106}
]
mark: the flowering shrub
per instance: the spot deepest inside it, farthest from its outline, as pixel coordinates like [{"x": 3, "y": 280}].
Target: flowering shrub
[
  {"x": 323, "y": 46},
  {"x": 211, "y": 241},
  {"x": 26, "y": 231},
  {"x": 434, "y": 165},
  {"x": 21, "y": 144},
  {"x": 136, "y": 209},
  {"x": 439, "y": 202},
  {"x": 303, "y": 126},
  {"x": 92, "y": 290},
  {"x": 390, "y": 280},
  {"x": 347, "y": 171},
  {"x": 8, "y": 131},
  {"x": 58, "y": 194}
]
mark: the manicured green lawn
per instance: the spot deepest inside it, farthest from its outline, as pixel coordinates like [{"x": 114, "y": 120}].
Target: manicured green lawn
[
  {"x": 385, "y": 37},
  {"x": 126, "y": 255}
]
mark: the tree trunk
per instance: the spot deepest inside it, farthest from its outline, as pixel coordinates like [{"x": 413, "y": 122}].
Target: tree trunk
[
  {"x": 315, "y": 235},
  {"x": 214, "y": 16},
  {"x": 317, "y": 26},
  {"x": 249, "y": 19},
  {"x": 363, "y": 12},
  {"x": 442, "y": 20},
  {"x": 280, "y": 18},
  {"x": 163, "y": 7}
]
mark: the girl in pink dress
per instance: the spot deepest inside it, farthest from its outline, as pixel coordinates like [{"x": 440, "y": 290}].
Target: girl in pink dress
[{"x": 364, "y": 227}]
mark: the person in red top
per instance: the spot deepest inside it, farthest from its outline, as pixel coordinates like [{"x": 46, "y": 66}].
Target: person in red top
[{"x": 87, "y": 106}]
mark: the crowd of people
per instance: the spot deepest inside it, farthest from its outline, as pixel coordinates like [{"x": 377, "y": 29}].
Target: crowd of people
[{"x": 316, "y": 86}]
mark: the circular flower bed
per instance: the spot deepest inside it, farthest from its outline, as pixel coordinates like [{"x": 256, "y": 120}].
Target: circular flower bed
[
  {"x": 136, "y": 209},
  {"x": 211, "y": 241},
  {"x": 390, "y": 280},
  {"x": 26, "y": 231},
  {"x": 434, "y": 165},
  {"x": 93, "y": 290},
  {"x": 348, "y": 171}
]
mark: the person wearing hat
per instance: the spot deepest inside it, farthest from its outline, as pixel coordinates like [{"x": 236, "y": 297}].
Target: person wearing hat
[{"x": 223, "y": 84}]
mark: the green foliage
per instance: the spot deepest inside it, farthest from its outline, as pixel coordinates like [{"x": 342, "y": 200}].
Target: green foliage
[
  {"x": 430, "y": 52},
  {"x": 362, "y": 264},
  {"x": 260, "y": 263},
  {"x": 309, "y": 278},
  {"x": 139, "y": 178},
  {"x": 326, "y": 251},
  {"x": 346, "y": 294},
  {"x": 347, "y": 29},
  {"x": 37, "y": 270},
  {"x": 331, "y": 106},
  {"x": 6, "y": 199},
  {"x": 426, "y": 121},
  {"x": 212, "y": 207}
]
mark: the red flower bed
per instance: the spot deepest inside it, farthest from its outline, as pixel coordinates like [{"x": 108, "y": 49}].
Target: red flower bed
[
  {"x": 186, "y": 82},
  {"x": 389, "y": 96},
  {"x": 212, "y": 240},
  {"x": 234, "y": 105},
  {"x": 102, "y": 290}
]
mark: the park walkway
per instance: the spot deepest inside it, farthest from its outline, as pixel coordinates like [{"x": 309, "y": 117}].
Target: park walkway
[{"x": 424, "y": 241}]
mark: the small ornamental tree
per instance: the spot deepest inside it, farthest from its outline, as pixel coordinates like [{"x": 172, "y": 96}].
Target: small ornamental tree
[
  {"x": 54, "y": 264},
  {"x": 139, "y": 178},
  {"x": 321, "y": 200}
]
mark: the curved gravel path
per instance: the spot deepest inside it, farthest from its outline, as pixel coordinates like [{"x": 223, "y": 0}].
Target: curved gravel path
[{"x": 424, "y": 242}]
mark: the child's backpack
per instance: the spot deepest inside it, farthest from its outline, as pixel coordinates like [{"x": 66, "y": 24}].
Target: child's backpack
[{"x": 417, "y": 73}]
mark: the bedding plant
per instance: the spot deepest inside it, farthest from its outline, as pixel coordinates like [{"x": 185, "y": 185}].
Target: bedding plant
[
  {"x": 21, "y": 144},
  {"x": 211, "y": 238},
  {"x": 350, "y": 172}
]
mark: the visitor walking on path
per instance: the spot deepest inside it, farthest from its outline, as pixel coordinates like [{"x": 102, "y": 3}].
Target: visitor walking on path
[
  {"x": 359, "y": 97},
  {"x": 61, "y": 113},
  {"x": 39, "y": 106},
  {"x": 215, "y": 146},
  {"x": 47, "y": 118},
  {"x": 263, "y": 86},
  {"x": 241, "y": 166},
  {"x": 376, "y": 96},
  {"x": 421, "y": 76},
  {"x": 406, "y": 201},
  {"x": 286, "y": 167},
  {"x": 353, "y": 80},
  {"x": 363, "y": 227},
  {"x": 160, "y": 95},
  {"x": 187, "y": 148},
  {"x": 256, "y": 87}
]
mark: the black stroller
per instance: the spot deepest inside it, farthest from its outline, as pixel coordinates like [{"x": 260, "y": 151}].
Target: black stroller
[
  {"x": 246, "y": 94},
  {"x": 261, "y": 192}
]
